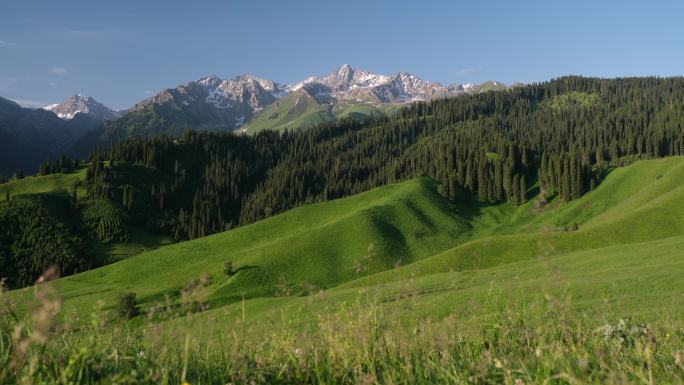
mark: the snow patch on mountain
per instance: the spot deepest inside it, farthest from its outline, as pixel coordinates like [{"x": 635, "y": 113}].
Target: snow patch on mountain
[
  {"x": 243, "y": 96},
  {"x": 81, "y": 104}
]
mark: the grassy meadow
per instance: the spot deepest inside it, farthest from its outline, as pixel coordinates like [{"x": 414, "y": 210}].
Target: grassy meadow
[
  {"x": 395, "y": 286},
  {"x": 41, "y": 184}
]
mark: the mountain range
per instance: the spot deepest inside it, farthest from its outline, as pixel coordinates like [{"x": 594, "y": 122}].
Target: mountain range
[
  {"x": 244, "y": 103},
  {"x": 248, "y": 103}
]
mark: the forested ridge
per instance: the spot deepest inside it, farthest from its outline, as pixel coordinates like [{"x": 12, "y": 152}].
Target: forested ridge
[{"x": 564, "y": 134}]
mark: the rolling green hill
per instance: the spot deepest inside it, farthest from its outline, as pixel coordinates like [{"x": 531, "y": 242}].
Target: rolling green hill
[
  {"x": 407, "y": 231},
  {"x": 318, "y": 246},
  {"x": 397, "y": 282},
  {"x": 300, "y": 110},
  {"x": 297, "y": 110},
  {"x": 634, "y": 204},
  {"x": 41, "y": 184}
]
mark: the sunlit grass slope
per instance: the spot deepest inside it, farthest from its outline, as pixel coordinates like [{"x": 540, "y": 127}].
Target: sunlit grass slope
[
  {"x": 604, "y": 284},
  {"x": 638, "y": 203},
  {"x": 40, "y": 184},
  {"x": 317, "y": 246},
  {"x": 630, "y": 230},
  {"x": 298, "y": 110}
]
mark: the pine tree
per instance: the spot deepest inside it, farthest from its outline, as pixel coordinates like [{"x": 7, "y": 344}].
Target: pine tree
[
  {"x": 515, "y": 187},
  {"x": 523, "y": 189}
]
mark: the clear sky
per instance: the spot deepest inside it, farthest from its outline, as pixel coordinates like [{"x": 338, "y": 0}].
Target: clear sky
[{"x": 121, "y": 52}]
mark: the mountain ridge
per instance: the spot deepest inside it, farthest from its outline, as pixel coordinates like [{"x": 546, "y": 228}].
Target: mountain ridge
[{"x": 213, "y": 103}]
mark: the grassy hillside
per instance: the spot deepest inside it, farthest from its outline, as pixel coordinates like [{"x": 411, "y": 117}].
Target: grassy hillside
[
  {"x": 387, "y": 283},
  {"x": 628, "y": 251},
  {"x": 571, "y": 100},
  {"x": 300, "y": 110},
  {"x": 490, "y": 85},
  {"x": 634, "y": 204},
  {"x": 317, "y": 246},
  {"x": 638, "y": 281},
  {"x": 40, "y": 184},
  {"x": 395, "y": 232},
  {"x": 363, "y": 111}
]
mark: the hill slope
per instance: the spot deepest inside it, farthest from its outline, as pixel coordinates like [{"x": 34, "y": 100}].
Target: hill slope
[
  {"x": 413, "y": 232},
  {"x": 41, "y": 184},
  {"x": 300, "y": 110},
  {"x": 638, "y": 203},
  {"x": 319, "y": 246},
  {"x": 297, "y": 110}
]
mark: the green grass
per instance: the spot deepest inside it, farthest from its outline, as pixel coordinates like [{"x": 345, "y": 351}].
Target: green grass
[
  {"x": 555, "y": 320},
  {"x": 571, "y": 100},
  {"x": 447, "y": 293},
  {"x": 295, "y": 111},
  {"x": 363, "y": 111},
  {"x": 318, "y": 246},
  {"x": 490, "y": 85},
  {"x": 412, "y": 231},
  {"x": 40, "y": 184},
  {"x": 139, "y": 241},
  {"x": 300, "y": 111},
  {"x": 634, "y": 204}
]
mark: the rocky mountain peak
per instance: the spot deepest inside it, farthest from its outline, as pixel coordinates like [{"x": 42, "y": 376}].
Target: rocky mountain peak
[
  {"x": 81, "y": 104},
  {"x": 345, "y": 74}
]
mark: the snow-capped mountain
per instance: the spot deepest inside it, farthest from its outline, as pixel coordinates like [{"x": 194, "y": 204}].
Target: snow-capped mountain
[
  {"x": 82, "y": 104},
  {"x": 345, "y": 79},
  {"x": 246, "y": 89},
  {"x": 357, "y": 86},
  {"x": 212, "y": 103}
]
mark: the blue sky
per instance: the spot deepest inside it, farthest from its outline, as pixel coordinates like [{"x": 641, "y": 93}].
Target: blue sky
[{"x": 121, "y": 52}]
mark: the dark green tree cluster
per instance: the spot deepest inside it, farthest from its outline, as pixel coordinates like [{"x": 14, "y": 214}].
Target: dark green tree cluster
[
  {"x": 192, "y": 188},
  {"x": 104, "y": 220},
  {"x": 36, "y": 232},
  {"x": 63, "y": 165}
]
